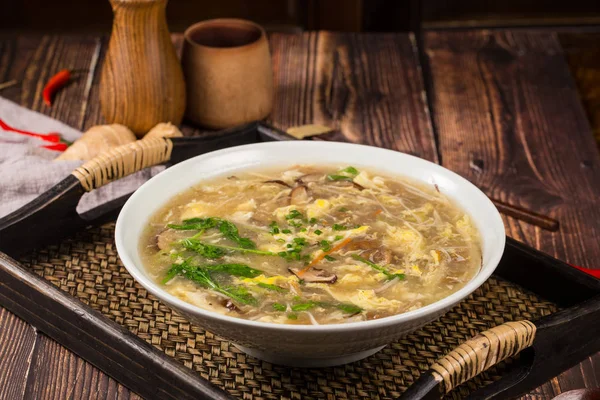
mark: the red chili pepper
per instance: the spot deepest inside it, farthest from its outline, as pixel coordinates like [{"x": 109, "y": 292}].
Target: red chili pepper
[
  {"x": 54, "y": 84},
  {"x": 56, "y": 146},
  {"x": 50, "y": 137},
  {"x": 593, "y": 272}
]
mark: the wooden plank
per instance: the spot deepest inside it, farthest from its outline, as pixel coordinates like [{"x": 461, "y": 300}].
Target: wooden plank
[
  {"x": 368, "y": 87},
  {"x": 508, "y": 118},
  {"x": 56, "y": 373},
  {"x": 17, "y": 342}
]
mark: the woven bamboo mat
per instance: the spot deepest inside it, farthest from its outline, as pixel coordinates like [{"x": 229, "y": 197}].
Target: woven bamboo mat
[{"x": 87, "y": 267}]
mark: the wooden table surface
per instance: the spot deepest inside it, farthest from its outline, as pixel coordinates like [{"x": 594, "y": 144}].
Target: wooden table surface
[{"x": 498, "y": 107}]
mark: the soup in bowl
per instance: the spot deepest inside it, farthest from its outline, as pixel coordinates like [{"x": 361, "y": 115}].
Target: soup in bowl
[{"x": 309, "y": 254}]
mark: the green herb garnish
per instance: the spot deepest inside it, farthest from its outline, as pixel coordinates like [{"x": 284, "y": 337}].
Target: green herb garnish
[
  {"x": 295, "y": 249},
  {"x": 201, "y": 276},
  {"x": 349, "y": 308},
  {"x": 300, "y": 241},
  {"x": 343, "y": 209},
  {"x": 292, "y": 316},
  {"x": 204, "y": 249},
  {"x": 338, "y": 227},
  {"x": 195, "y": 224},
  {"x": 286, "y": 231},
  {"x": 312, "y": 221},
  {"x": 200, "y": 248},
  {"x": 304, "y": 306},
  {"x": 350, "y": 170},
  {"x": 279, "y": 307},
  {"x": 228, "y": 229},
  {"x": 234, "y": 269},
  {"x": 318, "y": 232},
  {"x": 173, "y": 272},
  {"x": 294, "y": 214},
  {"x": 346, "y": 174},
  {"x": 329, "y": 258},
  {"x": 335, "y": 177},
  {"x": 273, "y": 288},
  {"x": 379, "y": 268},
  {"x": 325, "y": 245},
  {"x": 338, "y": 237},
  {"x": 273, "y": 228}
]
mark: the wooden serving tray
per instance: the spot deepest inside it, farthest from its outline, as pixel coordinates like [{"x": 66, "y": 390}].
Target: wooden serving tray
[{"x": 78, "y": 293}]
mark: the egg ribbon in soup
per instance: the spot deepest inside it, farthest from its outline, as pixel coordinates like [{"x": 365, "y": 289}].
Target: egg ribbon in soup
[{"x": 311, "y": 245}]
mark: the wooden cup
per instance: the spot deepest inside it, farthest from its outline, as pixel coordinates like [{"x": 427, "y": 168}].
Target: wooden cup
[{"x": 228, "y": 73}]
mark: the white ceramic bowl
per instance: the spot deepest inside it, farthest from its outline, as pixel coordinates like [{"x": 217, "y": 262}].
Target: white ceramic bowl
[{"x": 306, "y": 345}]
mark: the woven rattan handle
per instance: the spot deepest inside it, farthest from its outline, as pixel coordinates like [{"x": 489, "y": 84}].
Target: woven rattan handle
[
  {"x": 122, "y": 161},
  {"x": 483, "y": 351}
]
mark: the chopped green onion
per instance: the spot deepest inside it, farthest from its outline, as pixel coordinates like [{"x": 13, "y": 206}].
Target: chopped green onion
[
  {"x": 294, "y": 214},
  {"x": 349, "y": 308},
  {"x": 389, "y": 275},
  {"x": 318, "y": 232},
  {"x": 268, "y": 286},
  {"x": 350, "y": 170},
  {"x": 334, "y": 177},
  {"x": 325, "y": 245},
  {"x": 329, "y": 258},
  {"x": 304, "y": 306},
  {"x": 279, "y": 307},
  {"x": 274, "y": 229}
]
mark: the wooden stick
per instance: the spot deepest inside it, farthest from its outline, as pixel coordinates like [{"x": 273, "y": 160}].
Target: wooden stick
[
  {"x": 528, "y": 216},
  {"x": 8, "y": 84}
]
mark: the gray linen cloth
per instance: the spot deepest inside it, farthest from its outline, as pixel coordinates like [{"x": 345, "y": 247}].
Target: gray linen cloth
[{"x": 27, "y": 169}]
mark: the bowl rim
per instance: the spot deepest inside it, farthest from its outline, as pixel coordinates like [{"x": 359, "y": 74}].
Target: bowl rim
[
  {"x": 423, "y": 312},
  {"x": 224, "y": 22}
]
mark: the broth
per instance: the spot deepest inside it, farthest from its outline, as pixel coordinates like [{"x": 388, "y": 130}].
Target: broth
[{"x": 311, "y": 245}]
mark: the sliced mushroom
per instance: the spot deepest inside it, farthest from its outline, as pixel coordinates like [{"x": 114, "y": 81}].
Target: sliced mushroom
[
  {"x": 165, "y": 238},
  {"x": 347, "y": 183},
  {"x": 308, "y": 178},
  {"x": 380, "y": 256},
  {"x": 315, "y": 275},
  {"x": 299, "y": 195},
  {"x": 279, "y": 182},
  {"x": 363, "y": 245}
]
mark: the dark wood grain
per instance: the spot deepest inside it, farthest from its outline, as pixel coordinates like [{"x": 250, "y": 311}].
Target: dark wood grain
[
  {"x": 17, "y": 341},
  {"x": 57, "y": 373},
  {"x": 506, "y": 102},
  {"x": 366, "y": 87}
]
